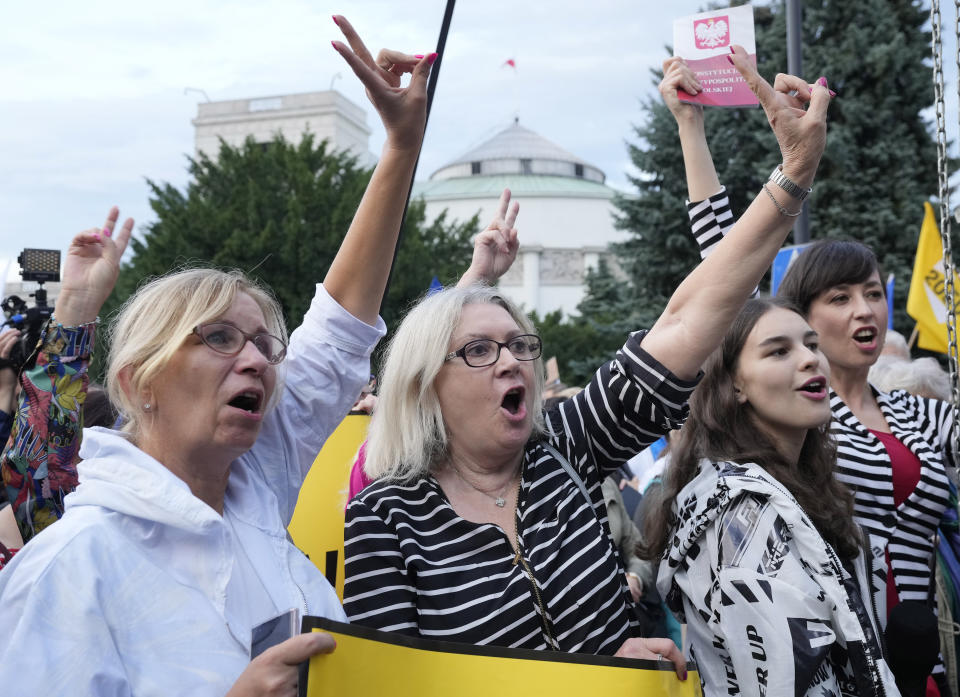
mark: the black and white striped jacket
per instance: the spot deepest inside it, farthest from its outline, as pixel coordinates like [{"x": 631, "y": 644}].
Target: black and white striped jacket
[
  {"x": 924, "y": 426},
  {"x": 414, "y": 566}
]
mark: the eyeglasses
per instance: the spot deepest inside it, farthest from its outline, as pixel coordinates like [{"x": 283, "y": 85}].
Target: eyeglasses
[
  {"x": 480, "y": 353},
  {"x": 228, "y": 340}
]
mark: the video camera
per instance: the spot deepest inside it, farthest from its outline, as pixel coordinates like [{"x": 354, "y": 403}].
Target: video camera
[{"x": 42, "y": 266}]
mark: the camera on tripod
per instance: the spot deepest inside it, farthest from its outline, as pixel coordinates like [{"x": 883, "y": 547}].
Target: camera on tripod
[{"x": 42, "y": 266}]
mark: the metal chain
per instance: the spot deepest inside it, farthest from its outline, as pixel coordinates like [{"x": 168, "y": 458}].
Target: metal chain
[{"x": 944, "y": 194}]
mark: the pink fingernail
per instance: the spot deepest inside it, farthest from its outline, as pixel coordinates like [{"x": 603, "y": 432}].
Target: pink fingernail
[
  {"x": 336, "y": 21},
  {"x": 431, "y": 58},
  {"x": 106, "y": 232},
  {"x": 731, "y": 50},
  {"x": 822, "y": 81},
  {"x": 97, "y": 235},
  {"x": 418, "y": 56},
  {"x": 334, "y": 44},
  {"x": 730, "y": 60}
]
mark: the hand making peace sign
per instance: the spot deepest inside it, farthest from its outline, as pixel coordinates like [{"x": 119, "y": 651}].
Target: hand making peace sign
[{"x": 90, "y": 270}]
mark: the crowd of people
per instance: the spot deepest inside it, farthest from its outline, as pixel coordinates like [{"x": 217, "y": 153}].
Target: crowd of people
[{"x": 790, "y": 529}]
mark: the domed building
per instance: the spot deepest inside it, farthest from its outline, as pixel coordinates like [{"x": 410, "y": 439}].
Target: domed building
[{"x": 566, "y": 212}]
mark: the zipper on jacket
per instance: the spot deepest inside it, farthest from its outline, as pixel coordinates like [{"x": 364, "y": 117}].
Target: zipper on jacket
[
  {"x": 838, "y": 568},
  {"x": 303, "y": 598},
  {"x": 518, "y": 557}
]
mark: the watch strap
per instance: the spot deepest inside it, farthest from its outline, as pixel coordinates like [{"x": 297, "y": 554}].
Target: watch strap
[{"x": 791, "y": 187}]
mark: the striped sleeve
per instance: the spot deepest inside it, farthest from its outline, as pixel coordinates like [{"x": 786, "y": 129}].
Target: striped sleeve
[
  {"x": 940, "y": 415},
  {"x": 630, "y": 403},
  {"x": 710, "y": 220},
  {"x": 377, "y": 592}
]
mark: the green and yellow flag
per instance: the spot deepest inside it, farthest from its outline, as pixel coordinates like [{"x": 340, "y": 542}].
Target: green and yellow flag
[{"x": 926, "y": 302}]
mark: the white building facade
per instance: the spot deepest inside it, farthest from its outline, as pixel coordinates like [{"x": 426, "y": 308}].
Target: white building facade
[
  {"x": 566, "y": 218},
  {"x": 327, "y": 115}
]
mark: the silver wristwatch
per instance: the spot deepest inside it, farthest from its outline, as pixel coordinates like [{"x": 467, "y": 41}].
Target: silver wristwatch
[{"x": 780, "y": 179}]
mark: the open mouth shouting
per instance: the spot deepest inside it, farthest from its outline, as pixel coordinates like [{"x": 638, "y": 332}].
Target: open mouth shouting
[
  {"x": 513, "y": 404},
  {"x": 814, "y": 388},
  {"x": 866, "y": 338},
  {"x": 249, "y": 401}
]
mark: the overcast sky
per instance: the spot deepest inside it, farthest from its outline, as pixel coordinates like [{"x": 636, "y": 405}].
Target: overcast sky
[{"x": 94, "y": 102}]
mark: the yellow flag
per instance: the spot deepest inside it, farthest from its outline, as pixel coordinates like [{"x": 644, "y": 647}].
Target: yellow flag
[
  {"x": 926, "y": 302},
  {"x": 368, "y": 662},
  {"x": 317, "y": 524}
]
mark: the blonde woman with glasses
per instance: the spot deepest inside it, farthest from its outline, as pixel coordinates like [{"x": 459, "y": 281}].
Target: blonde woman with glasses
[
  {"x": 488, "y": 523},
  {"x": 173, "y": 547}
]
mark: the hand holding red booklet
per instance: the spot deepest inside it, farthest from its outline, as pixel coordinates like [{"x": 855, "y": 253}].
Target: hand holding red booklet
[{"x": 704, "y": 41}]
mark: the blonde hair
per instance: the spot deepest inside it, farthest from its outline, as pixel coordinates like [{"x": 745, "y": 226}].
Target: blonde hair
[
  {"x": 154, "y": 322},
  {"x": 923, "y": 377},
  {"x": 407, "y": 433}
]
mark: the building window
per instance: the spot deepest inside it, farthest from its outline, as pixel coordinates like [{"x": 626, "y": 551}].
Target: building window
[
  {"x": 578, "y": 170},
  {"x": 526, "y": 166},
  {"x": 474, "y": 168},
  {"x": 265, "y": 104}
]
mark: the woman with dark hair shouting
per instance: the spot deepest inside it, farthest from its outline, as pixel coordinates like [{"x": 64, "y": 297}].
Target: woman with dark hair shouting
[
  {"x": 760, "y": 552},
  {"x": 893, "y": 448}
]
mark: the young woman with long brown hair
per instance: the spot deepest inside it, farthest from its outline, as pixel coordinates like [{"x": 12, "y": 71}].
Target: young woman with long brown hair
[{"x": 759, "y": 549}]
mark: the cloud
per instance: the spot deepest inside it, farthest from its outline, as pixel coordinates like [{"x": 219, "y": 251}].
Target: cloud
[{"x": 94, "y": 100}]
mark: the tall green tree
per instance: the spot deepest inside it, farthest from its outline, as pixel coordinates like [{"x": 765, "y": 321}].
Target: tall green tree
[
  {"x": 278, "y": 212},
  {"x": 878, "y": 168}
]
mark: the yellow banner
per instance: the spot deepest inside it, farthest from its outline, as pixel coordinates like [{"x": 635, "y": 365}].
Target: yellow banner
[
  {"x": 367, "y": 663},
  {"x": 317, "y": 523},
  {"x": 926, "y": 302}
]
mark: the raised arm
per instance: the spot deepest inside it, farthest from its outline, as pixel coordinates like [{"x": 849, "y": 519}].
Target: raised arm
[
  {"x": 357, "y": 278},
  {"x": 702, "y": 180},
  {"x": 494, "y": 249},
  {"x": 707, "y": 203},
  {"x": 702, "y": 307},
  {"x": 38, "y": 465}
]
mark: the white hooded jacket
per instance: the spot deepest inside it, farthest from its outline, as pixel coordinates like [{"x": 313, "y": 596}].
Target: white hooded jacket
[
  {"x": 126, "y": 594},
  {"x": 770, "y": 609}
]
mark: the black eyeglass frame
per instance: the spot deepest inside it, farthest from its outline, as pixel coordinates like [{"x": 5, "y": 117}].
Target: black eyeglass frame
[
  {"x": 252, "y": 338},
  {"x": 462, "y": 351}
]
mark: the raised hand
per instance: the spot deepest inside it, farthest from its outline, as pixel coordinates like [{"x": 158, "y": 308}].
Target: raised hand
[
  {"x": 90, "y": 270},
  {"x": 801, "y": 133},
  {"x": 403, "y": 111},
  {"x": 677, "y": 75},
  {"x": 495, "y": 249}
]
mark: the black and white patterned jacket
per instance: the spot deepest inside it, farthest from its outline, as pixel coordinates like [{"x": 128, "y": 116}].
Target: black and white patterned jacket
[{"x": 770, "y": 609}]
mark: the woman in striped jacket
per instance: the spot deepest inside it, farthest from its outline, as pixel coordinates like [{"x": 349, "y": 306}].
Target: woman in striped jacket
[
  {"x": 893, "y": 448},
  {"x": 488, "y": 525}
]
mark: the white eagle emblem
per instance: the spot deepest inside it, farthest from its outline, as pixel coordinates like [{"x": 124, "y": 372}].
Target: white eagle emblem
[{"x": 712, "y": 33}]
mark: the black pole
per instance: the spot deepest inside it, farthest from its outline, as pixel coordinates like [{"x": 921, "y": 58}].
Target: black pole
[
  {"x": 431, "y": 88},
  {"x": 801, "y": 230}
]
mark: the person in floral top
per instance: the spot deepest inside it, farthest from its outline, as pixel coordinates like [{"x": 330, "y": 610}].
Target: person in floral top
[{"x": 38, "y": 464}]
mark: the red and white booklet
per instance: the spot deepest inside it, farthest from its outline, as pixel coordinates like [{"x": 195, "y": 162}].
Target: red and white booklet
[{"x": 704, "y": 41}]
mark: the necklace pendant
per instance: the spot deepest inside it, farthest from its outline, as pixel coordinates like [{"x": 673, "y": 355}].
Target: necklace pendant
[{"x": 501, "y": 502}]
